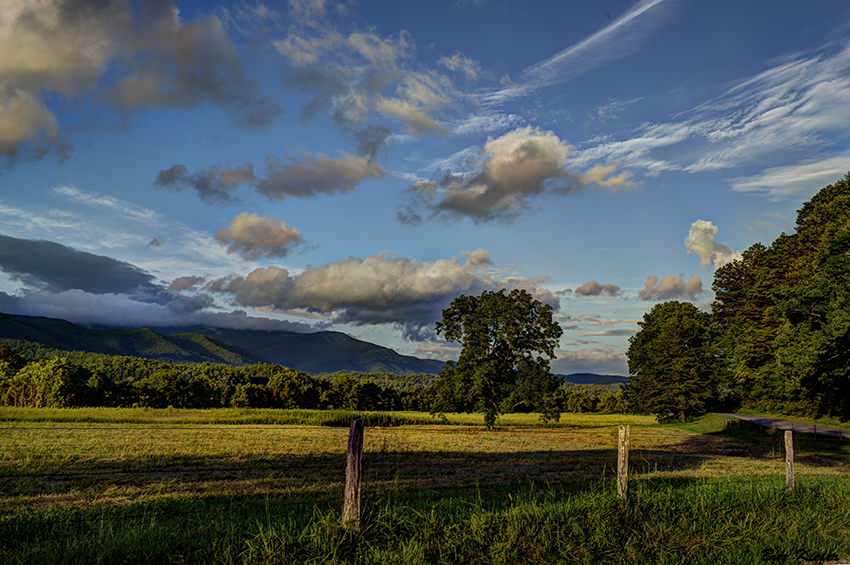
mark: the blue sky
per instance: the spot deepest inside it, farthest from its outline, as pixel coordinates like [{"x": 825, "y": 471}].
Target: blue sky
[{"x": 356, "y": 166}]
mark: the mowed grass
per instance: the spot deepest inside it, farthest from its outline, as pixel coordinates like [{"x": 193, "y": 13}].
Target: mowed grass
[{"x": 186, "y": 487}]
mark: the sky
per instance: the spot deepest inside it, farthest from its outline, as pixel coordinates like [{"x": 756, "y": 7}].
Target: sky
[{"x": 355, "y": 166}]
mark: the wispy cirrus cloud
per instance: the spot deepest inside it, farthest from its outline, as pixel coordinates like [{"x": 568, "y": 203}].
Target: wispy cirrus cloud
[
  {"x": 615, "y": 41},
  {"x": 794, "y": 108},
  {"x": 126, "y": 209},
  {"x": 791, "y": 181}
]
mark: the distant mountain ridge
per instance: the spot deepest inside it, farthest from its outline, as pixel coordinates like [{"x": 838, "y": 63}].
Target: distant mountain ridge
[
  {"x": 594, "y": 379},
  {"x": 137, "y": 342},
  {"x": 321, "y": 352}
]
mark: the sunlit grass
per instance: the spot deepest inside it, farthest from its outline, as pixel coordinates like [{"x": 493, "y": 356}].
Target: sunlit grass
[{"x": 224, "y": 487}]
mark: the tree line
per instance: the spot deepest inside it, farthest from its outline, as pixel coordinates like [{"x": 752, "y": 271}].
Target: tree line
[
  {"x": 778, "y": 334},
  {"x": 35, "y": 376}
]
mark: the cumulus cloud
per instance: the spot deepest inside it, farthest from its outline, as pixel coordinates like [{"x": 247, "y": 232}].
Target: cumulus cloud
[
  {"x": 671, "y": 287},
  {"x": 304, "y": 177},
  {"x": 593, "y": 288},
  {"x": 516, "y": 168},
  {"x": 253, "y": 236},
  {"x": 70, "y": 47},
  {"x": 712, "y": 254},
  {"x": 46, "y": 265},
  {"x": 379, "y": 289}
]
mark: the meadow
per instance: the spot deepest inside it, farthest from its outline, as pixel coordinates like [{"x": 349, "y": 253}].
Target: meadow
[{"x": 265, "y": 486}]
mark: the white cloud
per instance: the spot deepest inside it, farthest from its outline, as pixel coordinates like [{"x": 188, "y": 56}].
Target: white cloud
[
  {"x": 794, "y": 181},
  {"x": 712, "y": 254},
  {"x": 127, "y": 209},
  {"x": 613, "y": 42},
  {"x": 461, "y": 63},
  {"x": 793, "y": 109}
]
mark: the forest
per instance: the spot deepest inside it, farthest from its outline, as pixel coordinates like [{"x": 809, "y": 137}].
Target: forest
[
  {"x": 777, "y": 338},
  {"x": 37, "y": 376}
]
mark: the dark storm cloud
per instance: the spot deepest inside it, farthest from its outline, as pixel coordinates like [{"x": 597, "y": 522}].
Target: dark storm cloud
[{"x": 50, "y": 266}]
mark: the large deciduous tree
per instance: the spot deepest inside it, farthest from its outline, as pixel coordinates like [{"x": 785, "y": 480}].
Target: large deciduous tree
[
  {"x": 676, "y": 366},
  {"x": 507, "y": 342}
]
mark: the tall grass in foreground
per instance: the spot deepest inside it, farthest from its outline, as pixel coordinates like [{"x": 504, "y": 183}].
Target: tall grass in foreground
[{"x": 708, "y": 522}]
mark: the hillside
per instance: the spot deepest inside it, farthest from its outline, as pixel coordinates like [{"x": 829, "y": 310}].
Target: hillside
[
  {"x": 139, "y": 342},
  {"x": 321, "y": 352}
]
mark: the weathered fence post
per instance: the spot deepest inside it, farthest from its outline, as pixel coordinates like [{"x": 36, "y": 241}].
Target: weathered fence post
[
  {"x": 623, "y": 462},
  {"x": 789, "y": 460},
  {"x": 353, "y": 460}
]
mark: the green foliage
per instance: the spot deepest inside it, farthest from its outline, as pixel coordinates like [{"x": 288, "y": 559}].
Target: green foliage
[
  {"x": 676, "y": 363},
  {"x": 507, "y": 342},
  {"x": 48, "y": 383},
  {"x": 785, "y": 311},
  {"x": 91, "y": 379}
]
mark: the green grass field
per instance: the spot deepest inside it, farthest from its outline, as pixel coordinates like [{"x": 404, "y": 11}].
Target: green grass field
[{"x": 265, "y": 486}]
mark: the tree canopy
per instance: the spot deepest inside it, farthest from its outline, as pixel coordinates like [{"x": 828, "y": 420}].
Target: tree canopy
[
  {"x": 785, "y": 310},
  {"x": 507, "y": 341},
  {"x": 676, "y": 364}
]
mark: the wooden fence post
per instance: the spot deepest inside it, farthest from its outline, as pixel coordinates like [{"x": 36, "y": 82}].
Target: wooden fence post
[
  {"x": 623, "y": 462},
  {"x": 353, "y": 460},
  {"x": 789, "y": 460}
]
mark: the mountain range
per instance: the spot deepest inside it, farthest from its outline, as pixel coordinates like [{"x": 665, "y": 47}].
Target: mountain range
[
  {"x": 316, "y": 353},
  {"x": 320, "y": 352}
]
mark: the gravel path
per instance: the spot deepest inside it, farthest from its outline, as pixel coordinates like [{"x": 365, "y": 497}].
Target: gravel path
[{"x": 795, "y": 426}]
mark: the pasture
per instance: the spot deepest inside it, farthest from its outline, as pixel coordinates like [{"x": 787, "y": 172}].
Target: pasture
[{"x": 265, "y": 486}]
